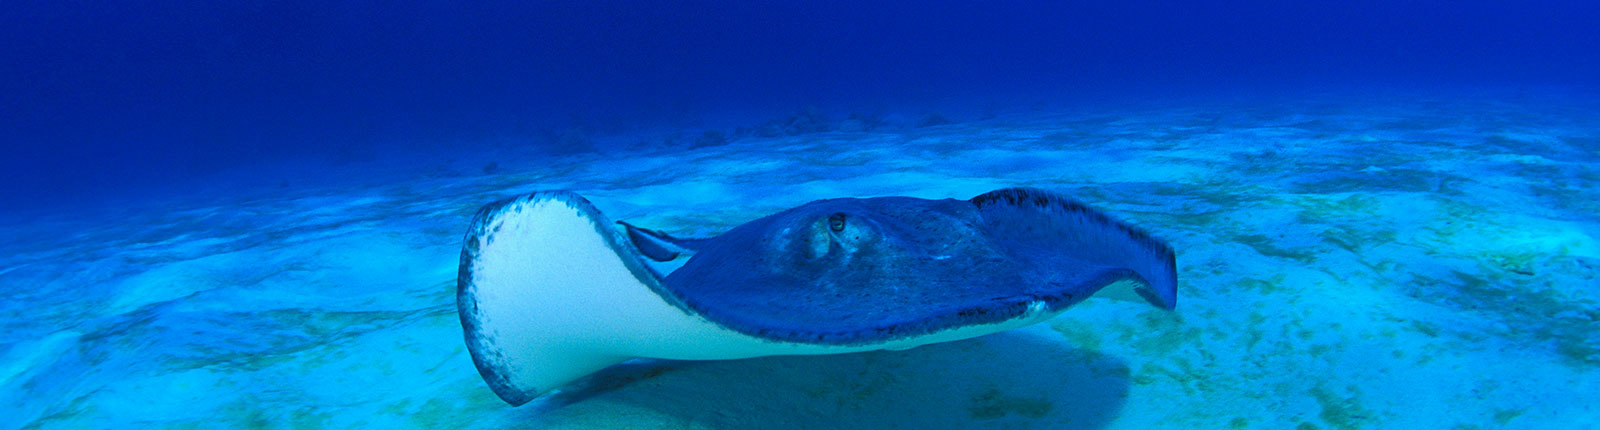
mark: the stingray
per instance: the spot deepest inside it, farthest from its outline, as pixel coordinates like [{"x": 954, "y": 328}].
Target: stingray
[{"x": 550, "y": 290}]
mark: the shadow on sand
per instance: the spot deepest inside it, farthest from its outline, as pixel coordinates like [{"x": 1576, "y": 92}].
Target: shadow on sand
[{"x": 1008, "y": 380}]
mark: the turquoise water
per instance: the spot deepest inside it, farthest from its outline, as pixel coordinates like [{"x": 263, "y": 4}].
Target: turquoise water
[{"x": 1394, "y": 260}]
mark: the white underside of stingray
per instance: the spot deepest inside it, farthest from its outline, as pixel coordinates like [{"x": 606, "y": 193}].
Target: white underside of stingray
[{"x": 549, "y": 293}]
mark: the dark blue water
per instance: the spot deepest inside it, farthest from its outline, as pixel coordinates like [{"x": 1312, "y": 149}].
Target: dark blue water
[{"x": 101, "y": 100}]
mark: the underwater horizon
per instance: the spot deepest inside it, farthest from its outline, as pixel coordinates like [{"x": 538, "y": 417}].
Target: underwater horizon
[{"x": 258, "y": 214}]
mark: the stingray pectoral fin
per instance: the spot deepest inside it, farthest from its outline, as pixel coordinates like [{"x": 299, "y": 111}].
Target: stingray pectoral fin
[
  {"x": 533, "y": 270},
  {"x": 549, "y": 291},
  {"x": 1041, "y": 219}
]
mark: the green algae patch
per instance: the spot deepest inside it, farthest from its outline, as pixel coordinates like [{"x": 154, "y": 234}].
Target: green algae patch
[
  {"x": 1264, "y": 245},
  {"x": 1328, "y": 209},
  {"x": 1424, "y": 327},
  {"x": 1357, "y": 240},
  {"x": 1265, "y": 286},
  {"x": 1521, "y": 263},
  {"x": 1504, "y": 416},
  {"x": 1163, "y": 333},
  {"x": 1387, "y": 180},
  {"x": 1078, "y": 336},
  {"x": 1341, "y": 412},
  {"x": 1530, "y": 318}
]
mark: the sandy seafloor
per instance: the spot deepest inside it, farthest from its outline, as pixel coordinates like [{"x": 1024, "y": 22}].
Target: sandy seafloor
[{"x": 1399, "y": 261}]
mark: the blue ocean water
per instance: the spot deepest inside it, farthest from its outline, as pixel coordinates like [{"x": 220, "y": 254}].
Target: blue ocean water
[{"x": 250, "y": 214}]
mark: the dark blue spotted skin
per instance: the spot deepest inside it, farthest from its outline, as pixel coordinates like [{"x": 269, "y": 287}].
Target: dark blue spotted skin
[{"x": 900, "y": 267}]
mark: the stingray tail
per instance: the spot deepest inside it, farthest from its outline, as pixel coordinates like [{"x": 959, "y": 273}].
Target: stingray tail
[
  {"x": 546, "y": 295},
  {"x": 1047, "y": 219}
]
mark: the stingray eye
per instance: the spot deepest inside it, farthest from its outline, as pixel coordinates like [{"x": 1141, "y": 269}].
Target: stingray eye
[{"x": 836, "y": 222}]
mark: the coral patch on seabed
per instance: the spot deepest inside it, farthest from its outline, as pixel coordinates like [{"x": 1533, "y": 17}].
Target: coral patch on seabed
[{"x": 1345, "y": 262}]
